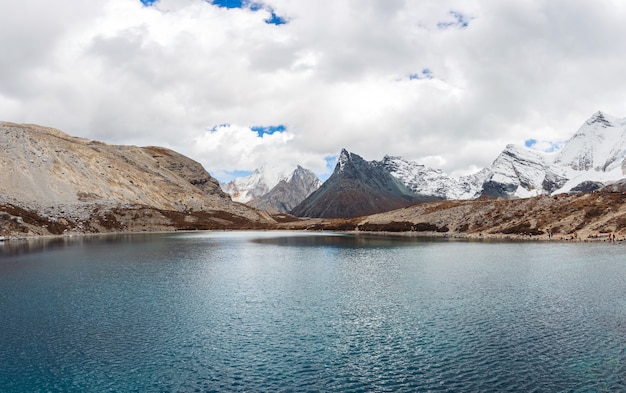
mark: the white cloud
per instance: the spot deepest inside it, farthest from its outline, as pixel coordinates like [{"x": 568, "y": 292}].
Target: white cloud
[{"x": 337, "y": 75}]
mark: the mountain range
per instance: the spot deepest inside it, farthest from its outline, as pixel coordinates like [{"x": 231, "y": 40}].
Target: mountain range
[
  {"x": 593, "y": 158},
  {"x": 357, "y": 187},
  {"x": 52, "y": 183}
]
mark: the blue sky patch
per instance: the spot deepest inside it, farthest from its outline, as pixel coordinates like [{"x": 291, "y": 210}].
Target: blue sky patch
[
  {"x": 229, "y": 3},
  {"x": 148, "y": 3},
  {"x": 460, "y": 20},
  {"x": 274, "y": 18},
  {"x": 425, "y": 74},
  {"x": 545, "y": 146},
  {"x": 331, "y": 161},
  {"x": 269, "y": 130},
  {"x": 530, "y": 142},
  {"x": 235, "y": 174}
]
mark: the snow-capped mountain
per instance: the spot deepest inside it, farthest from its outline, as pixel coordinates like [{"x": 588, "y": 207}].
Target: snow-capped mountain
[
  {"x": 289, "y": 192},
  {"x": 273, "y": 188},
  {"x": 260, "y": 182},
  {"x": 599, "y": 145},
  {"x": 596, "y": 153},
  {"x": 522, "y": 172},
  {"x": 428, "y": 181},
  {"x": 595, "y": 156}
]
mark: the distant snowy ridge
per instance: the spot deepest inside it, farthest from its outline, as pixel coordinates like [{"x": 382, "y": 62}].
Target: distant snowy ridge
[
  {"x": 273, "y": 188},
  {"x": 593, "y": 157},
  {"x": 288, "y": 193},
  {"x": 434, "y": 182},
  {"x": 257, "y": 184}
]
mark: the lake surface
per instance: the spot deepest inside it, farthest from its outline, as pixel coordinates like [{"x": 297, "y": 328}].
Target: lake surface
[{"x": 267, "y": 311}]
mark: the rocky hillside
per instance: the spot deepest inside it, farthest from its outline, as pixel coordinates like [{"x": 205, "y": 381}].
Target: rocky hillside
[
  {"x": 563, "y": 216},
  {"x": 356, "y": 188},
  {"x": 67, "y": 183}
]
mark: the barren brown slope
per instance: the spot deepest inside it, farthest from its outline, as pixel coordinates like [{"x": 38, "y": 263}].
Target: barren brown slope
[
  {"x": 48, "y": 172},
  {"x": 564, "y": 216}
]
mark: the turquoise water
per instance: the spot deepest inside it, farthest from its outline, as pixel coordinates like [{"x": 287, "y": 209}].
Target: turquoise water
[{"x": 264, "y": 311}]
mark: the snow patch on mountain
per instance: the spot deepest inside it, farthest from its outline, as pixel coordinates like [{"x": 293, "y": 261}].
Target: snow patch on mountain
[{"x": 424, "y": 180}]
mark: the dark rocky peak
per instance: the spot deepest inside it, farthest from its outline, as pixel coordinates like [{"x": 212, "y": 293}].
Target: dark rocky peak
[
  {"x": 345, "y": 159},
  {"x": 350, "y": 164},
  {"x": 599, "y": 118}
]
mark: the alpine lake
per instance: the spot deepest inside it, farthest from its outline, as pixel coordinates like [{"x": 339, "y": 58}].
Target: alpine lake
[{"x": 310, "y": 312}]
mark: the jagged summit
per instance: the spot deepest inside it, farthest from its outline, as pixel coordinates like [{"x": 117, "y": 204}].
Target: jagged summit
[
  {"x": 274, "y": 188},
  {"x": 599, "y": 145},
  {"x": 345, "y": 157},
  {"x": 356, "y": 188},
  {"x": 260, "y": 182},
  {"x": 289, "y": 192},
  {"x": 601, "y": 118}
]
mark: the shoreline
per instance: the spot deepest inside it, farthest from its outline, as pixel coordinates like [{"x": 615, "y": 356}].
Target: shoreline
[{"x": 490, "y": 237}]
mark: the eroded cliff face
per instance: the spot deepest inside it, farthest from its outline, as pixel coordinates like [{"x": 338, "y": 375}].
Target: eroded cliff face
[{"x": 60, "y": 177}]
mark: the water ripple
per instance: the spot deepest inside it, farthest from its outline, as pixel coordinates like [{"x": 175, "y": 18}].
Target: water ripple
[{"x": 216, "y": 313}]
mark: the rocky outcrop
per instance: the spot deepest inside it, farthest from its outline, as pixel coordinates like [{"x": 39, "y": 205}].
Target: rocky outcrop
[
  {"x": 588, "y": 186},
  {"x": 618, "y": 186}
]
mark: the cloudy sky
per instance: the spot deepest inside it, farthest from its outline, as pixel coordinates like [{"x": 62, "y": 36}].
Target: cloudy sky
[{"x": 237, "y": 85}]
